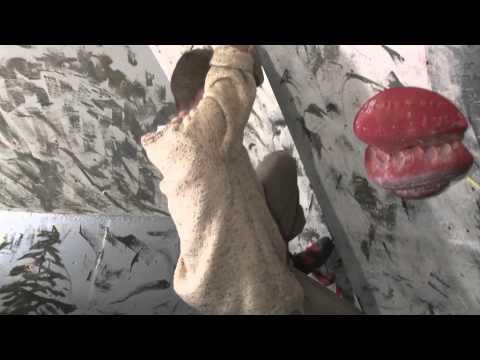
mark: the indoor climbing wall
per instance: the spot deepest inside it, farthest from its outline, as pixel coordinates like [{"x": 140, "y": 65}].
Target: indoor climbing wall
[
  {"x": 90, "y": 231},
  {"x": 70, "y": 122},
  {"x": 402, "y": 257},
  {"x": 87, "y": 264}
]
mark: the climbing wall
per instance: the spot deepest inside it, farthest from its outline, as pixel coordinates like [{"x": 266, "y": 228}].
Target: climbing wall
[
  {"x": 403, "y": 257},
  {"x": 70, "y": 122},
  {"x": 85, "y": 264}
]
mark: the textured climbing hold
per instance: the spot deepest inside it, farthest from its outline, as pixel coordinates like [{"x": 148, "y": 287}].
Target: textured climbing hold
[{"x": 416, "y": 150}]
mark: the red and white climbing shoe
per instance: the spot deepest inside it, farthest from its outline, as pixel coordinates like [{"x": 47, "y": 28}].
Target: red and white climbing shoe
[{"x": 314, "y": 256}]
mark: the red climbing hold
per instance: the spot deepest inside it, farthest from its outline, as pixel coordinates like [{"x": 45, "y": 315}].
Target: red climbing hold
[
  {"x": 414, "y": 141},
  {"x": 402, "y": 117}
]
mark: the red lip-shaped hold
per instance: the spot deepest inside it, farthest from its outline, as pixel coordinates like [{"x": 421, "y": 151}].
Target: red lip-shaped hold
[
  {"x": 402, "y": 117},
  {"x": 417, "y": 167},
  {"x": 414, "y": 137}
]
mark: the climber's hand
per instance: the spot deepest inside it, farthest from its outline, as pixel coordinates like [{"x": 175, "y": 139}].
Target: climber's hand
[{"x": 257, "y": 68}]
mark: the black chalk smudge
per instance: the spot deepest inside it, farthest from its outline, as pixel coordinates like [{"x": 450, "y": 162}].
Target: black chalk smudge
[
  {"x": 135, "y": 259},
  {"x": 405, "y": 208},
  {"x": 287, "y": 79},
  {"x": 331, "y": 107},
  {"x": 365, "y": 246},
  {"x": 312, "y": 57},
  {"x": 149, "y": 77},
  {"x": 93, "y": 244},
  {"x": 387, "y": 251},
  {"x": 338, "y": 181},
  {"x": 154, "y": 285},
  {"x": 352, "y": 75},
  {"x": 4, "y": 245},
  {"x": 331, "y": 52},
  {"x": 397, "y": 278},
  {"x": 104, "y": 281},
  {"x": 131, "y": 57},
  {"x": 28, "y": 69},
  {"x": 313, "y": 137},
  {"x": 161, "y": 233},
  {"x": 307, "y": 132},
  {"x": 393, "y": 54},
  {"x": 477, "y": 202},
  {"x": 393, "y": 80},
  {"x": 315, "y": 110},
  {"x": 364, "y": 194},
  {"x": 371, "y": 234},
  {"x": 365, "y": 249},
  {"x": 436, "y": 277},
  {"x": 366, "y": 197},
  {"x": 317, "y": 143},
  {"x": 437, "y": 290},
  {"x": 251, "y": 130}
]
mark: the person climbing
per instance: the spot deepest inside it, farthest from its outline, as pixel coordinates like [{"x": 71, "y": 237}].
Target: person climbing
[{"x": 233, "y": 222}]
